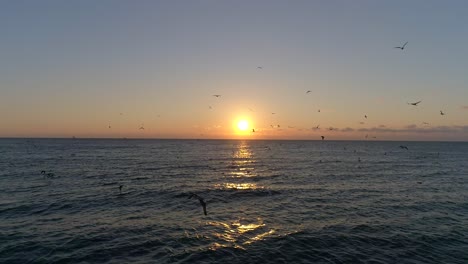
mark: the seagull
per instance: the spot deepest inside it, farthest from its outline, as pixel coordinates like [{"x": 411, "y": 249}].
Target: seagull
[
  {"x": 415, "y": 104},
  {"x": 120, "y": 189},
  {"x": 308, "y": 91},
  {"x": 402, "y": 47},
  {"x": 273, "y": 113},
  {"x": 365, "y": 116},
  {"x": 260, "y": 67},
  {"x": 442, "y": 113},
  {"x": 216, "y": 95},
  {"x": 278, "y": 125},
  {"x": 404, "y": 147},
  {"x": 142, "y": 128},
  {"x": 323, "y": 137},
  {"x": 317, "y": 127},
  {"x": 202, "y": 202}
]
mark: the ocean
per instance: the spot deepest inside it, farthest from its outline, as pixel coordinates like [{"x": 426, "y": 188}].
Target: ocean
[{"x": 266, "y": 201}]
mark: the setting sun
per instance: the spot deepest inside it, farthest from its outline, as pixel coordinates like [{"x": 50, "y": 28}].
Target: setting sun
[{"x": 243, "y": 125}]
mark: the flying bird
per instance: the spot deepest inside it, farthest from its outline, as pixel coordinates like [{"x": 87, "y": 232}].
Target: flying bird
[
  {"x": 308, "y": 91},
  {"x": 319, "y": 110},
  {"x": 202, "y": 201},
  {"x": 365, "y": 116},
  {"x": 273, "y": 113},
  {"x": 142, "y": 128},
  {"x": 442, "y": 113},
  {"x": 404, "y": 147},
  {"x": 253, "y": 130},
  {"x": 402, "y": 47},
  {"x": 415, "y": 104},
  {"x": 109, "y": 126},
  {"x": 216, "y": 95},
  {"x": 260, "y": 67},
  {"x": 323, "y": 137}
]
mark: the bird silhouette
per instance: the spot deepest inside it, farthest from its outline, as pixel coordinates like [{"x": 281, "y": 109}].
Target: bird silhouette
[
  {"x": 120, "y": 189},
  {"x": 202, "y": 201},
  {"x": 260, "y": 67},
  {"x": 415, "y": 103},
  {"x": 308, "y": 91},
  {"x": 216, "y": 95},
  {"x": 402, "y": 47},
  {"x": 253, "y": 130},
  {"x": 323, "y": 137},
  {"x": 404, "y": 147},
  {"x": 442, "y": 113}
]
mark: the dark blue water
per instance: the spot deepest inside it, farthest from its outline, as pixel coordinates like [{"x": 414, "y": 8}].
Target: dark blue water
[{"x": 267, "y": 201}]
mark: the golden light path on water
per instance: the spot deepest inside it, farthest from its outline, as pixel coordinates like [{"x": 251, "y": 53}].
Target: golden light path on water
[{"x": 245, "y": 230}]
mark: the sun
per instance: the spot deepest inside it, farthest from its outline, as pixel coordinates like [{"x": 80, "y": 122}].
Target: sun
[{"x": 243, "y": 125}]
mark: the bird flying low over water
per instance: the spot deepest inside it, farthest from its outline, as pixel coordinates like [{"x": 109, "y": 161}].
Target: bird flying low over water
[
  {"x": 404, "y": 147},
  {"x": 402, "y": 47},
  {"x": 415, "y": 103},
  {"x": 202, "y": 201},
  {"x": 323, "y": 137}
]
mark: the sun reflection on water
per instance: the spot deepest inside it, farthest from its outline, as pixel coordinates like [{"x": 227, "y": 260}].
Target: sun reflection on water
[
  {"x": 242, "y": 161},
  {"x": 238, "y": 233}
]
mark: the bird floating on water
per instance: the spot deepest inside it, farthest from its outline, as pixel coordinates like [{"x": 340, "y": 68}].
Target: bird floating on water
[
  {"x": 120, "y": 189},
  {"x": 202, "y": 201},
  {"x": 402, "y": 47}
]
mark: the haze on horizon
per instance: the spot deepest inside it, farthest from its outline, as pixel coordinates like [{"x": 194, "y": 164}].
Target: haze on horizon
[{"x": 107, "y": 68}]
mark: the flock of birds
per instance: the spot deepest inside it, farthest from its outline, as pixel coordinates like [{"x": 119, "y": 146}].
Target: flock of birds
[{"x": 253, "y": 130}]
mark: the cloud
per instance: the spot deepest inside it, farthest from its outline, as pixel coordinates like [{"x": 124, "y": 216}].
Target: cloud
[
  {"x": 415, "y": 129},
  {"x": 348, "y": 129}
]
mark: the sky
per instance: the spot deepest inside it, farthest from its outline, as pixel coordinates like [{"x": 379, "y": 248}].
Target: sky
[{"x": 105, "y": 69}]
